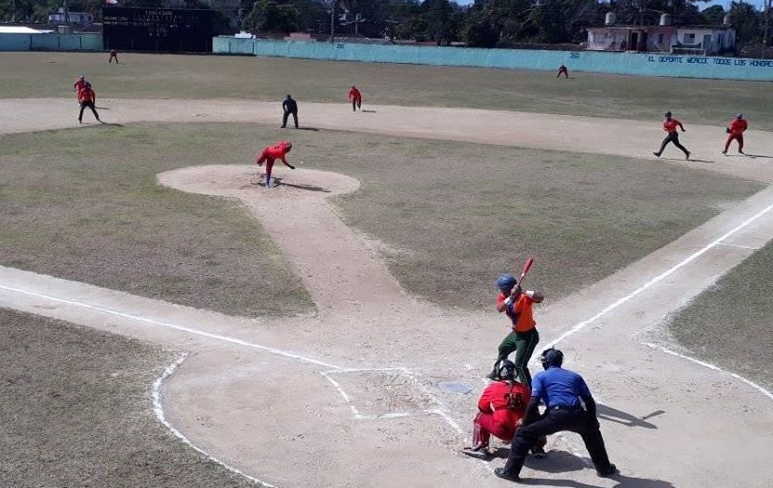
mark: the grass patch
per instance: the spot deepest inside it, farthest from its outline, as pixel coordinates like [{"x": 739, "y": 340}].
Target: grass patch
[
  {"x": 182, "y": 76},
  {"x": 730, "y": 323},
  {"x": 83, "y": 204},
  {"x": 76, "y": 411}
]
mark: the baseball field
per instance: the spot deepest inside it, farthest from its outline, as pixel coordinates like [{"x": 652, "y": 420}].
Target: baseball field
[{"x": 187, "y": 326}]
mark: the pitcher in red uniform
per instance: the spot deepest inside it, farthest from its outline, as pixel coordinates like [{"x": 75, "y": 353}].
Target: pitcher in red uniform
[
  {"x": 356, "y": 98},
  {"x": 670, "y": 125},
  {"x": 500, "y": 409},
  {"x": 735, "y": 131},
  {"x": 271, "y": 154}
]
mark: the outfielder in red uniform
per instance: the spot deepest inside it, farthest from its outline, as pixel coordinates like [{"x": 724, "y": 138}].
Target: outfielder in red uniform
[
  {"x": 501, "y": 407},
  {"x": 563, "y": 70},
  {"x": 356, "y": 98},
  {"x": 87, "y": 98},
  {"x": 271, "y": 154},
  {"x": 735, "y": 130}
]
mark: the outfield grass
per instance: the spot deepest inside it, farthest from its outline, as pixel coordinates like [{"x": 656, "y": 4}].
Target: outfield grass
[
  {"x": 178, "y": 76},
  {"x": 77, "y": 411},
  {"x": 730, "y": 323},
  {"x": 83, "y": 204}
]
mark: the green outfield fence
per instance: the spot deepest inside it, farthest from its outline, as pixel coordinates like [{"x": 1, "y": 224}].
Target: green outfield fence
[
  {"x": 51, "y": 42},
  {"x": 649, "y": 64}
]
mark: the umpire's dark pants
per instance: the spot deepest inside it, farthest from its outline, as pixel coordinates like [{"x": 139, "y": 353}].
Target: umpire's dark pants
[
  {"x": 286, "y": 115},
  {"x": 556, "y": 420},
  {"x": 83, "y": 107},
  {"x": 673, "y": 137}
]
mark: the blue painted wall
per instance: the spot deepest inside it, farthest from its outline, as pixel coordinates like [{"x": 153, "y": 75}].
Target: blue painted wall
[
  {"x": 599, "y": 62},
  {"x": 51, "y": 42}
]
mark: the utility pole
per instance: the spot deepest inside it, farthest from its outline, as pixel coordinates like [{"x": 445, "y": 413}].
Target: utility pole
[
  {"x": 332, "y": 21},
  {"x": 13, "y": 10},
  {"x": 766, "y": 13}
]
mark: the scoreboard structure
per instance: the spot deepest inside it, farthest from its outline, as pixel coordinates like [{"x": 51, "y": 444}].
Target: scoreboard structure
[{"x": 158, "y": 29}]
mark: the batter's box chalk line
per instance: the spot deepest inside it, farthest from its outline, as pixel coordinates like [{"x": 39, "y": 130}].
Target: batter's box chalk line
[{"x": 386, "y": 393}]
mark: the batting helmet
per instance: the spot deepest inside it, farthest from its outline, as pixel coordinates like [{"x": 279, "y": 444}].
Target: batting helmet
[
  {"x": 551, "y": 357},
  {"x": 668, "y": 115},
  {"x": 506, "y": 282}
]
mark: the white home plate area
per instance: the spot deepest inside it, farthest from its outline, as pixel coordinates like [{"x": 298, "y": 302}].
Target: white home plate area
[{"x": 358, "y": 394}]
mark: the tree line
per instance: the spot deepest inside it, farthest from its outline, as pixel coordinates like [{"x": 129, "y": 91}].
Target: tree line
[
  {"x": 484, "y": 23},
  {"x": 488, "y": 23}
]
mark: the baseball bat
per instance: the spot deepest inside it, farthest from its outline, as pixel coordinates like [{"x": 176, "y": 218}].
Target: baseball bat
[{"x": 526, "y": 268}]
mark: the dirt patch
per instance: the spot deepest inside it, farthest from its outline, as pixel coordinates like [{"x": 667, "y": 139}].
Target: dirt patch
[
  {"x": 76, "y": 411},
  {"x": 383, "y": 392}
]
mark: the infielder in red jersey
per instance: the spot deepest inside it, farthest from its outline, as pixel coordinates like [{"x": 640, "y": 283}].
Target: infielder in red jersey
[
  {"x": 735, "y": 130},
  {"x": 670, "y": 125},
  {"x": 79, "y": 85},
  {"x": 271, "y": 154},
  {"x": 501, "y": 407},
  {"x": 355, "y": 97},
  {"x": 87, "y": 98}
]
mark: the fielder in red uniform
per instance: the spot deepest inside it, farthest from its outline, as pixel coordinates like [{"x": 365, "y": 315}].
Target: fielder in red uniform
[
  {"x": 670, "y": 125},
  {"x": 87, "y": 98},
  {"x": 271, "y": 154},
  {"x": 79, "y": 85},
  {"x": 735, "y": 130},
  {"x": 501, "y": 407},
  {"x": 356, "y": 98},
  {"x": 563, "y": 70}
]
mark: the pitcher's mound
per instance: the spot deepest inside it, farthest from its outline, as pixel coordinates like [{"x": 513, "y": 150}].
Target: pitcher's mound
[{"x": 241, "y": 181}]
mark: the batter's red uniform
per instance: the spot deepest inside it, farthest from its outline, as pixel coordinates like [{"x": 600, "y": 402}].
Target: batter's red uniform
[
  {"x": 502, "y": 404},
  {"x": 355, "y": 97},
  {"x": 271, "y": 154},
  {"x": 736, "y": 128},
  {"x": 670, "y": 125}
]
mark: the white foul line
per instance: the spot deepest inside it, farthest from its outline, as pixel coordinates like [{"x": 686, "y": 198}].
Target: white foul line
[
  {"x": 578, "y": 327},
  {"x": 159, "y": 411},
  {"x": 712, "y": 367},
  {"x": 168, "y": 325}
]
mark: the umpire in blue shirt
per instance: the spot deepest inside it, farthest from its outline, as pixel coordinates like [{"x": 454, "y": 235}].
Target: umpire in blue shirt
[{"x": 569, "y": 406}]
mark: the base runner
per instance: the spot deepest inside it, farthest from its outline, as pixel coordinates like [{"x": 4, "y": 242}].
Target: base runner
[{"x": 271, "y": 154}]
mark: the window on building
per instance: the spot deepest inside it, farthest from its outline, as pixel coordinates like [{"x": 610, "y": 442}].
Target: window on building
[
  {"x": 660, "y": 38},
  {"x": 689, "y": 37}
]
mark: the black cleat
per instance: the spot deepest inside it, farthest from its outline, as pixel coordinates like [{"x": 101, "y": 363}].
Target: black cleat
[
  {"x": 500, "y": 473},
  {"x": 687, "y": 156},
  {"x": 538, "y": 452},
  {"x": 612, "y": 470},
  {"x": 656, "y": 154}
]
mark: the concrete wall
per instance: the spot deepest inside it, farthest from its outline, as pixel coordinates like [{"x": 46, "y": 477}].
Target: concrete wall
[
  {"x": 51, "y": 42},
  {"x": 600, "y": 62}
]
